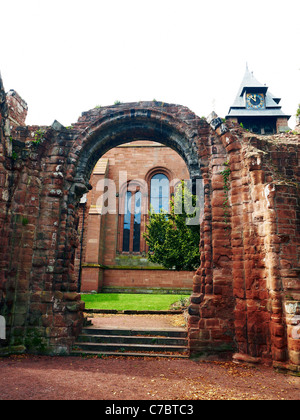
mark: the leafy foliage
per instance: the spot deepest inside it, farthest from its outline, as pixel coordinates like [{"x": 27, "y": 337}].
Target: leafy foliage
[
  {"x": 174, "y": 242},
  {"x": 38, "y": 137}
]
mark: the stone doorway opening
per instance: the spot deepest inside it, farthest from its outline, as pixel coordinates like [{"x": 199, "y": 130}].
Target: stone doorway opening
[{"x": 112, "y": 256}]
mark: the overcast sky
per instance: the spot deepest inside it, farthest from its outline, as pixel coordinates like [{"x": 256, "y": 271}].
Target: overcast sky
[{"x": 68, "y": 56}]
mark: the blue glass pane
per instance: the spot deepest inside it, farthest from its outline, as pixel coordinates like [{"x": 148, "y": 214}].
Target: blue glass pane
[
  {"x": 159, "y": 193},
  {"x": 127, "y": 222},
  {"x": 137, "y": 222}
]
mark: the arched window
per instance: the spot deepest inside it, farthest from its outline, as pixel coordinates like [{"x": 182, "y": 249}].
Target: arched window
[
  {"x": 134, "y": 202},
  {"x": 160, "y": 193}
]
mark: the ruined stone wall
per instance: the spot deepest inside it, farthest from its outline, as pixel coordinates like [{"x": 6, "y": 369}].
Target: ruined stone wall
[
  {"x": 245, "y": 298},
  {"x": 261, "y": 252},
  {"x": 5, "y": 151},
  {"x": 39, "y": 311},
  {"x": 282, "y": 163}
]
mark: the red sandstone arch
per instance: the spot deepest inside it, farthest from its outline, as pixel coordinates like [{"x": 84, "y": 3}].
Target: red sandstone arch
[
  {"x": 246, "y": 291},
  {"x": 103, "y": 129}
]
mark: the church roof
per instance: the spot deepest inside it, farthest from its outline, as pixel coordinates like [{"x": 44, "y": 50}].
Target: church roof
[
  {"x": 251, "y": 84},
  {"x": 249, "y": 81}
]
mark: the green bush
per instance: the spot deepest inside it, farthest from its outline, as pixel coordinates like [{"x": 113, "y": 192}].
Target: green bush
[{"x": 172, "y": 241}]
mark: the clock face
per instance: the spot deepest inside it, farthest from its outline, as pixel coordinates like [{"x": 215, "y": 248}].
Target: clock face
[{"x": 255, "y": 100}]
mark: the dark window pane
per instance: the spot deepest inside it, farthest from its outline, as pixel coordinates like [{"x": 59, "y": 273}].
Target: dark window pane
[
  {"x": 137, "y": 222},
  {"x": 127, "y": 222}
]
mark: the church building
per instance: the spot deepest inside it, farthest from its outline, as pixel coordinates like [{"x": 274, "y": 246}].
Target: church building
[
  {"x": 127, "y": 180},
  {"x": 257, "y": 109}
]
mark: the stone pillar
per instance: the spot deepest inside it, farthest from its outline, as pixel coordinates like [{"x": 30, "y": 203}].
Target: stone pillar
[
  {"x": 92, "y": 273},
  {"x": 211, "y": 321},
  {"x": 92, "y": 270},
  {"x": 292, "y": 314},
  {"x": 17, "y": 109}
]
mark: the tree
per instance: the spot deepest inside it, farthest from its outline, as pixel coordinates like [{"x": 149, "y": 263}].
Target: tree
[{"x": 174, "y": 238}]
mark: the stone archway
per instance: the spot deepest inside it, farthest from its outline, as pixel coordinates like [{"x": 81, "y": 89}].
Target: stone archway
[
  {"x": 101, "y": 130},
  {"x": 51, "y": 177},
  {"x": 172, "y": 125},
  {"x": 246, "y": 291}
]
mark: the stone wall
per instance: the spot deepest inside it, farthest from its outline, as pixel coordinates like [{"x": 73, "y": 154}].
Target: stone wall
[
  {"x": 41, "y": 315},
  {"x": 259, "y": 254},
  {"x": 246, "y": 293},
  {"x": 161, "y": 281}
]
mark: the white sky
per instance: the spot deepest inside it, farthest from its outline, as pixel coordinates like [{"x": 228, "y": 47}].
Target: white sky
[{"x": 67, "y": 56}]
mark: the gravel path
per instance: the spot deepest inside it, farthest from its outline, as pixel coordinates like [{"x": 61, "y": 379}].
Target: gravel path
[
  {"x": 110, "y": 378},
  {"x": 138, "y": 321},
  {"x": 72, "y": 378}
]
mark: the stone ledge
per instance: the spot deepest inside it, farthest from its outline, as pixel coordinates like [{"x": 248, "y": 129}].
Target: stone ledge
[
  {"x": 288, "y": 368},
  {"x": 147, "y": 290},
  {"x": 240, "y": 358}
]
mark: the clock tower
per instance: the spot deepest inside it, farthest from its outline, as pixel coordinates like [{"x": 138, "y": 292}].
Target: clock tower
[{"x": 257, "y": 108}]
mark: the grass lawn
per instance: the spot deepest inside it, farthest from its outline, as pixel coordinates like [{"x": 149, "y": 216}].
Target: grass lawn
[{"x": 135, "y": 302}]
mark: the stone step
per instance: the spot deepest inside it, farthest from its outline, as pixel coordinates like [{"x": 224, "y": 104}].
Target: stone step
[
  {"x": 129, "y": 354},
  {"x": 136, "y": 332},
  {"x": 122, "y": 347},
  {"x": 126, "y": 339},
  {"x": 132, "y": 342}
]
